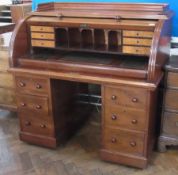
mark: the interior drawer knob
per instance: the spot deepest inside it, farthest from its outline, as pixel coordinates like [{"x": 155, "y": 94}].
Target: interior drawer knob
[
  {"x": 43, "y": 126},
  {"x": 135, "y": 100},
  {"x": 134, "y": 121},
  {"x": 38, "y": 86},
  {"x": 113, "y": 97},
  {"x": 22, "y": 84},
  {"x": 132, "y": 144},
  {"x": 27, "y": 123},
  {"x": 23, "y": 104},
  {"x": 38, "y": 106},
  {"x": 113, "y": 140},
  {"x": 114, "y": 117}
]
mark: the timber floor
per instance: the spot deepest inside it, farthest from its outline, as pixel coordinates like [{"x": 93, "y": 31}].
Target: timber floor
[{"x": 78, "y": 157}]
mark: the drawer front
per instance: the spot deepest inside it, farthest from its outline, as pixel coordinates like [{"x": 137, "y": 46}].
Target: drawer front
[
  {"x": 170, "y": 123},
  {"x": 171, "y": 99},
  {"x": 137, "y": 41},
  {"x": 36, "y": 125},
  {"x": 7, "y": 97},
  {"x": 33, "y": 104},
  {"x": 43, "y": 43},
  {"x": 144, "y": 34},
  {"x": 125, "y": 118},
  {"x": 172, "y": 79},
  {"x": 124, "y": 96},
  {"x": 123, "y": 141},
  {"x": 32, "y": 85},
  {"x": 41, "y": 29},
  {"x": 136, "y": 50},
  {"x": 49, "y": 36}
]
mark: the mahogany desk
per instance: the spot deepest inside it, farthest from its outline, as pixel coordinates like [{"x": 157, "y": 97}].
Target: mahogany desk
[{"x": 62, "y": 47}]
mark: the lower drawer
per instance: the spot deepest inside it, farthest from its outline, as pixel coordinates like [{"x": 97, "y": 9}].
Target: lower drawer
[
  {"x": 170, "y": 123},
  {"x": 123, "y": 141},
  {"x": 136, "y": 50},
  {"x": 171, "y": 101},
  {"x": 32, "y": 123}
]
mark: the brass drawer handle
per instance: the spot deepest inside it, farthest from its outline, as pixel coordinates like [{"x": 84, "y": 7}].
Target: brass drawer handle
[
  {"x": 43, "y": 126},
  {"x": 134, "y": 121},
  {"x": 22, "y": 84},
  {"x": 23, "y": 104},
  {"x": 38, "y": 106},
  {"x": 27, "y": 123},
  {"x": 134, "y": 100},
  {"x": 133, "y": 144},
  {"x": 114, "y": 117},
  {"x": 38, "y": 86},
  {"x": 113, "y": 97},
  {"x": 113, "y": 140}
]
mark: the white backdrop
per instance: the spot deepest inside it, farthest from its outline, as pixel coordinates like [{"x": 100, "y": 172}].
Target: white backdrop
[{"x": 2, "y": 2}]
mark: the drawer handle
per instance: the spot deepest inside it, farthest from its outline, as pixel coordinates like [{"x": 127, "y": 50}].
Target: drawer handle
[
  {"x": 27, "y": 123},
  {"x": 132, "y": 144},
  {"x": 138, "y": 42},
  {"x": 22, "y": 84},
  {"x": 23, "y": 104},
  {"x": 113, "y": 140},
  {"x": 38, "y": 106},
  {"x": 38, "y": 86},
  {"x": 137, "y": 34},
  {"x": 113, "y": 97},
  {"x": 134, "y": 121},
  {"x": 41, "y": 29},
  {"x": 114, "y": 117},
  {"x": 42, "y": 36},
  {"x": 43, "y": 126},
  {"x": 135, "y": 100}
]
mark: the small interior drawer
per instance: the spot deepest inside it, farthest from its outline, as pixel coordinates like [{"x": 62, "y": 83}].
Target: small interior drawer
[
  {"x": 31, "y": 103},
  {"x": 137, "y": 41},
  {"x": 127, "y": 97},
  {"x": 123, "y": 141},
  {"x": 172, "y": 79},
  {"x": 142, "y": 34},
  {"x": 136, "y": 50},
  {"x": 32, "y": 85},
  {"x": 49, "y": 36},
  {"x": 43, "y": 43},
  {"x": 125, "y": 118},
  {"x": 41, "y": 29}
]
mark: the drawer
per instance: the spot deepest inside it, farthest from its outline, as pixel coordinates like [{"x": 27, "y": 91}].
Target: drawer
[
  {"x": 171, "y": 101},
  {"x": 137, "y": 41},
  {"x": 136, "y": 50},
  {"x": 6, "y": 80},
  {"x": 32, "y": 85},
  {"x": 142, "y": 34},
  {"x": 43, "y": 43},
  {"x": 123, "y": 141},
  {"x": 170, "y": 123},
  {"x": 125, "y": 118},
  {"x": 126, "y": 97},
  {"x": 35, "y": 125},
  {"x": 33, "y": 104},
  {"x": 42, "y": 29},
  {"x": 172, "y": 79},
  {"x": 49, "y": 36}
]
